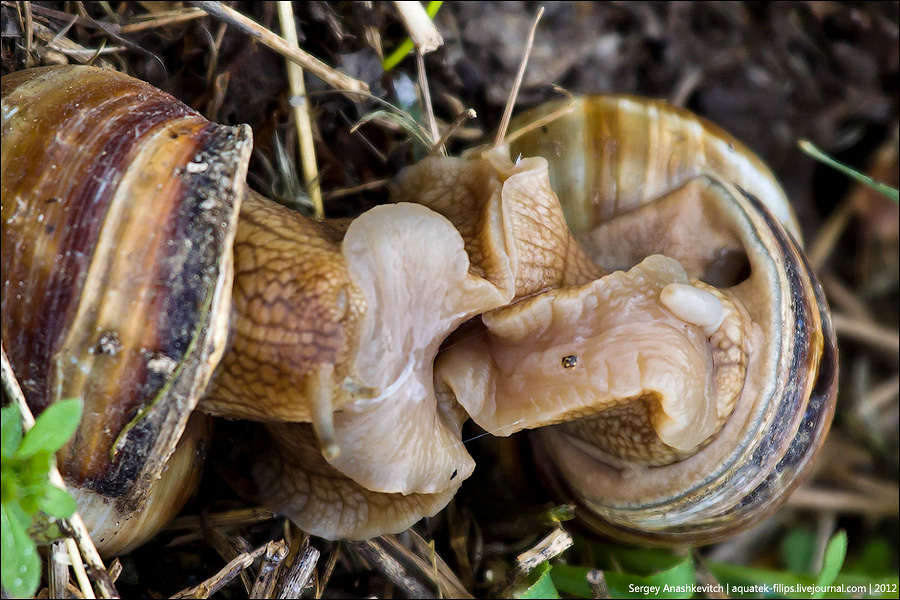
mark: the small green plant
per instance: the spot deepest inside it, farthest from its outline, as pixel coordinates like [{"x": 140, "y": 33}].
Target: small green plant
[{"x": 27, "y": 491}]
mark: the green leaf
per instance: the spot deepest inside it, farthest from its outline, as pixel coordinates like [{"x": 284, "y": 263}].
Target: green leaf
[
  {"x": 56, "y": 502},
  {"x": 876, "y": 559},
  {"x": 835, "y": 552},
  {"x": 541, "y": 584},
  {"x": 11, "y": 430},
  {"x": 51, "y": 430},
  {"x": 675, "y": 582},
  {"x": 797, "y": 548},
  {"x": 21, "y": 564}
]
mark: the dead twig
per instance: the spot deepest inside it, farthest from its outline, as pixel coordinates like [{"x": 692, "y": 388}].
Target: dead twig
[
  {"x": 507, "y": 112},
  {"x": 373, "y": 553},
  {"x": 548, "y": 548},
  {"x": 329, "y": 75},
  {"x": 597, "y": 584},
  {"x": 297, "y": 575},
  {"x": 301, "y": 113},
  {"x": 870, "y": 334},
  {"x": 225, "y": 576},
  {"x": 422, "y": 31},
  {"x": 269, "y": 570}
]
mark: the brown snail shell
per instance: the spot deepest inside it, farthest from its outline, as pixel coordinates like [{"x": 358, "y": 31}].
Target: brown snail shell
[
  {"x": 642, "y": 171},
  {"x": 131, "y": 299}
]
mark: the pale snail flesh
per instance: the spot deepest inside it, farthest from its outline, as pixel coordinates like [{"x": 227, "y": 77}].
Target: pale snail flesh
[{"x": 656, "y": 180}]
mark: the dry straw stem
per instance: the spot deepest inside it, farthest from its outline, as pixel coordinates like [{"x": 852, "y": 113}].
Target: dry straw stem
[
  {"x": 868, "y": 333},
  {"x": 163, "y": 19},
  {"x": 225, "y": 576},
  {"x": 329, "y": 75},
  {"x": 427, "y": 563},
  {"x": 597, "y": 584},
  {"x": 422, "y": 30},
  {"x": 376, "y": 555},
  {"x": 507, "y": 113},
  {"x": 74, "y": 524},
  {"x": 547, "y": 549},
  {"x": 301, "y": 113},
  {"x": 269, "y": 570},
  {"x": 298, "y": 574}
]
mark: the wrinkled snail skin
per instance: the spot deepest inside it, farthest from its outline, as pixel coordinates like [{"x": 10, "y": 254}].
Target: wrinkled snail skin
[{"x": 651, "y": 180}]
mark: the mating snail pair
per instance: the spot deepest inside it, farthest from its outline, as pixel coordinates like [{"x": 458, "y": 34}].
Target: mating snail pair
[{"x": 672, "y": 350}]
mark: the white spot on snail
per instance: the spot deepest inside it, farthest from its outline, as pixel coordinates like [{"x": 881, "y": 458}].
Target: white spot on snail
[
  {"x": 196, "y": 167},
  {"x": 693, "y": 305},
  {"x": 162, "y": 364}
]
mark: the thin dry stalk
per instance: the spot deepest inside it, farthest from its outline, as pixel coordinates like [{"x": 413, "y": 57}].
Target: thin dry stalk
[
  {"x": 870, "y": 334},
  {"x": 225, "y": 576},
  {"x": 224, "y": 520},
  {"x": 323, "y": 580},
  {"x": 375, "y": 184},
  {"x": 374, "y": 554},
  {"x": 507, "y": 113},
  {"x": 164, "y": 19},
  {"x": 461, "y": 118},
  {"x": 74, "y": 50},
  {"x": 58, "y": 573},
  {"x": 28, "y": 24},
  {"x": 705, "y": 577},
  {"x": 828, "y": 236},
  {"x": 329, "y": 75},
  {"x": 228, "y": 549},
  {"x": 269, "y": 570},
  {"x": 73, "y": 524},
  {"x": 548, "y": 548},
  {"x": 301, "y": 113},
  {"x": 597, "y": 584},
  {"x": 451, "y": 585},
  {"x": 422, "y": 31},
  {"x": 297, "y": 576},
  {"x": 426, "y": 97},
  {"x": 844, "y": 298},
  {"x": 821, "y": 499},
  {"x": 84, "y": 584}
]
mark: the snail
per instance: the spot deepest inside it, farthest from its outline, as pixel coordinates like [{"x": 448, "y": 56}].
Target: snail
[
  {"x": 680, "y": 384},
  {"x": 131, "y": 242}
]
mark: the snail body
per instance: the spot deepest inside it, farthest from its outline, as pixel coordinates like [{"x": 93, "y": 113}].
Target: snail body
[
  {"x": 114, "y": 196},
  {"x": 660, "y": 181},
  {"x": 329, "y": 333}
]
